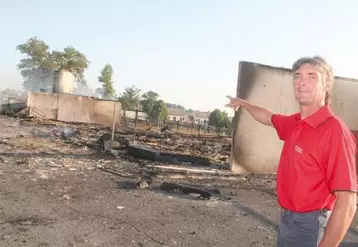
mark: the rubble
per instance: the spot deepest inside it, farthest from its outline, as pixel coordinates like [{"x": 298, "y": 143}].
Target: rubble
[
  {"x": 118, "y": 138},
  {"x": 185, "y": 170},
  {"x": 142, "y": 184},
  {"x": 65, "y": 147},
  {"x": 177, "y": 188},
  {"x": 146, "y": 152},
  {"x": 122, "y": 174},
  {"x": 141, "y": 151},
  {"x": 12, "y": 108}
]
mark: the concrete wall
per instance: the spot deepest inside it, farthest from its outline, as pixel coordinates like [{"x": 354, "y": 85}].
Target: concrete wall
[
  {"x": 73, "y": 108},
  {"x": 131, "y": 115},
  {"x": 63, "y": 82},
  {"x": 256, "y": 148}
]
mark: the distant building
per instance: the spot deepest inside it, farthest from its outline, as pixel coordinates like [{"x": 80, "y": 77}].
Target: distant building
[
  {"x": 180, "y": 115},
  {"x": 201, "y": 117},
  {"x": 176, "y": 115},
  {"x": 190, "y": 118}
]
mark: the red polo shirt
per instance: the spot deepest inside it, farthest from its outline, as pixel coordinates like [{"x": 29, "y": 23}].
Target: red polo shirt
[{"x": 318, "y": 158}]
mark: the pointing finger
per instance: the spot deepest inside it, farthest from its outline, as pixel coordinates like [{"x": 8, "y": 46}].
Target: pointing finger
[{"x": 229, "y": 97}]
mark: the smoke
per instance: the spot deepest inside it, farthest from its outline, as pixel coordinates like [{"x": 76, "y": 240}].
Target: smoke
[
  {"x": 107, "y": 97},
  {"x": 39, "y": 80},
  {"x": 12, "y": 95},
  {"x": 83, "y": 89},
  {"x": 50, "y": 81}
]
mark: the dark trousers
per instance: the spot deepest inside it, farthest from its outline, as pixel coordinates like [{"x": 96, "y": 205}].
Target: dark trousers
[{"x": 302, "y": 229}]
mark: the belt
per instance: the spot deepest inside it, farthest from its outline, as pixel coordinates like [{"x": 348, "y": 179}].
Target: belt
[{"x": 324, "y": 211}]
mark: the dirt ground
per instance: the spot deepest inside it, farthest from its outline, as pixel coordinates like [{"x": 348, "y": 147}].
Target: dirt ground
[{"x": 55, "y": 193}]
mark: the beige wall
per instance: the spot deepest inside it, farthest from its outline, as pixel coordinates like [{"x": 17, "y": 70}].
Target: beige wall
[
  {"x": 131, "y": 115},
  {"x": 256, "y": 148},
  {"x": 73, "y": 108}
]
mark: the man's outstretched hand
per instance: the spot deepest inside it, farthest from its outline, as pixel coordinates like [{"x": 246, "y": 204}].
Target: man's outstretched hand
[
  {"x": 234, "y": 103},
  {"x": 260, "y": 114}
]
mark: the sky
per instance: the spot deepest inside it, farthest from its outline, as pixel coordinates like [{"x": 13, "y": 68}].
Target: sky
[{"x": 186, "y": 50}]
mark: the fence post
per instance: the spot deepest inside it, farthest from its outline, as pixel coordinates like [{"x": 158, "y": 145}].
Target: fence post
[
  {"x": 114, "y": 120},
  {"x": 135, "y": 121}
]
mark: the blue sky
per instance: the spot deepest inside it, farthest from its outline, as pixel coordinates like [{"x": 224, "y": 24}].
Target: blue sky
[{"x": 186, "y": 50}]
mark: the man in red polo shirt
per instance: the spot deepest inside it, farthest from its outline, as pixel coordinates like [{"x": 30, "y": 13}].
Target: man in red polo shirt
[{"x": 316, "y": 177}]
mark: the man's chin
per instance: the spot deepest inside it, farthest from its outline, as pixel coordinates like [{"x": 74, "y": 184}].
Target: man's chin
[{"x": 303, "y": 102}]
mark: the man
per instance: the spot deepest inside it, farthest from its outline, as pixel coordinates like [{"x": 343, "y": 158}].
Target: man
[{"x": 316, "y": 176}]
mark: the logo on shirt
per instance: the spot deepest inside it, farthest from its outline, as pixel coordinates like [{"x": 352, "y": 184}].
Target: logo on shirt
[{"x": 298, "y": 149}]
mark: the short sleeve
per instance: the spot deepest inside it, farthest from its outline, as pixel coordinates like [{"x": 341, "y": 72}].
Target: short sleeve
[
  {"x": 283, "y": 124},
  {"x": 341, "y": 162}
]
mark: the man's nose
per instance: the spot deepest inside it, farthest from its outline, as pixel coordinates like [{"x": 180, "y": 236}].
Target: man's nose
[{"x": 303, "y": 81}]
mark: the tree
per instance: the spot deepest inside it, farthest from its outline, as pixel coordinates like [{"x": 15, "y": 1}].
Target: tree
[
  {"x": 129, "y": 98},
  {"x": 106, "y": 78},
  {"x": 190, "y": 111},
  {"x": 70, "y": 60},
  {"x": 174, "y": 106},
  {"x": 219, "y": 119},
  {"x": 39, "y": 65},
  {"x": 159, "y": 111},
  {"x": 148, "y": 101}
]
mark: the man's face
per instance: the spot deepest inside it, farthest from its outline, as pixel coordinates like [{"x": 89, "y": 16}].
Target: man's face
[{"x": 309, "y": 86}]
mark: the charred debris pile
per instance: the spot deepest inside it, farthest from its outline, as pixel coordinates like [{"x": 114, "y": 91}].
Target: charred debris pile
[{"x": 160, "y": 147}]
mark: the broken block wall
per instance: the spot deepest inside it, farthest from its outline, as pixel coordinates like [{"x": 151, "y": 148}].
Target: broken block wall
[
  {"x": 256, "y": 148},
  {"x": 73, "y": 108}
]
